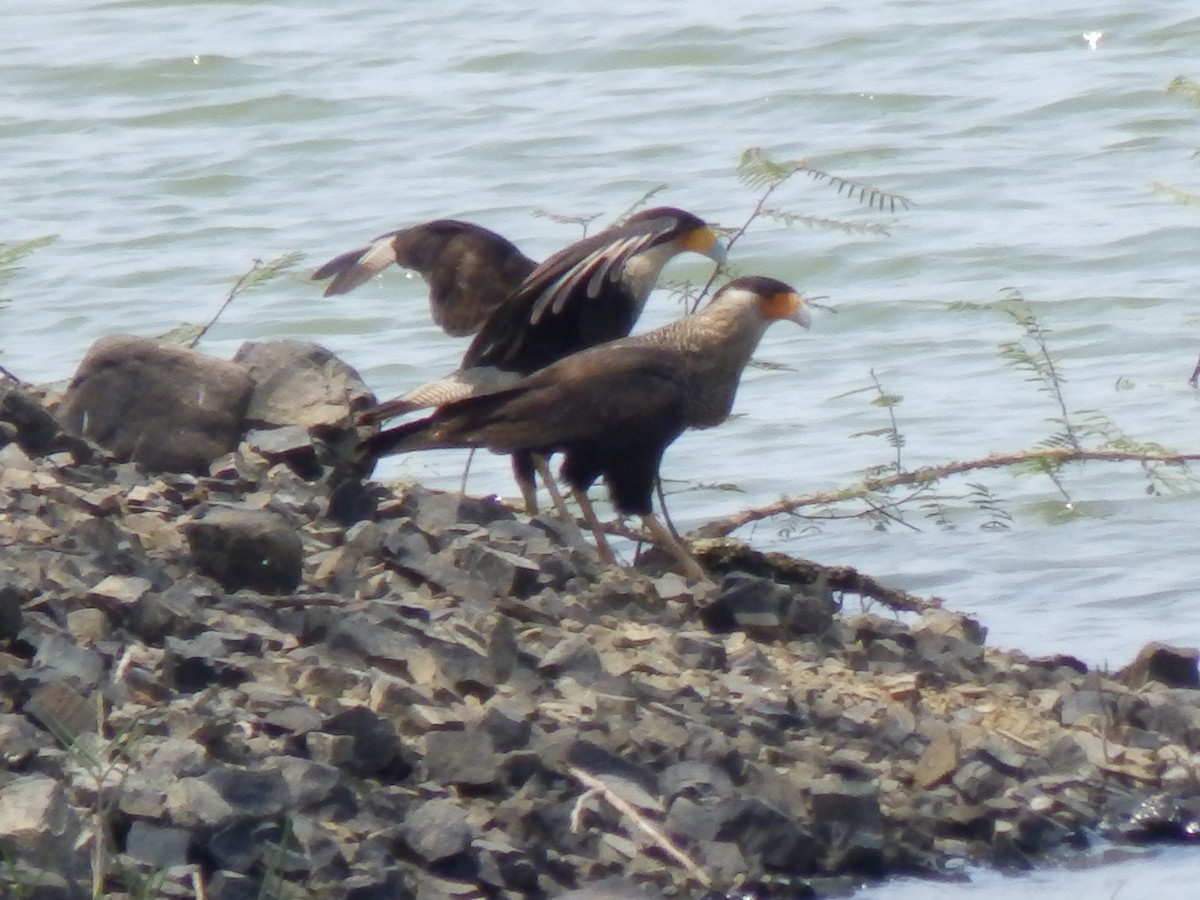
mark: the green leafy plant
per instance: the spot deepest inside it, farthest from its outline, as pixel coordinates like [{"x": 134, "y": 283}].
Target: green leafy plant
[{"x": 1076, "y": 437}]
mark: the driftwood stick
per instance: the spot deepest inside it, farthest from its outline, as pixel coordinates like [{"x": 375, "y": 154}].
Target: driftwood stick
[
  {"x": 596, "y": 786},
  {"x": 1051, "y": 457}
]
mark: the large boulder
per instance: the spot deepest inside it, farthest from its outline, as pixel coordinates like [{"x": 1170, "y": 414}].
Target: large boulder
[
  {"x": 300, "y": 383},
  {"x": 158, "y": 404}
]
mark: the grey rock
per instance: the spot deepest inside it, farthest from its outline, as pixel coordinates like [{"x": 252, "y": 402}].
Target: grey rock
[
  {"x": 62, "y": 710},
  {"x": 77, "y": 665},
  {"x": 308, "y": 783},
  {"x": 1154, "y": 816},
  {"x": 116, "y": 592},
  {"x": 19, "y": 740},
  {"x": 12, "y": 599},
  {"x": 40, "y": 883},
  {"x": 157, "y": 845},
  {"x": 256, "y": 793},
  {"x": 699, "y": 651},
  {"x": 696, "y": 779},
  {"x": 767, "y": 609},
  {"x": 175, "y": 611},
  {"x": 243, "y": 844},
  {"x": 38, "y": 825},
  {"x": 157, "y": 404},
  {"x": 460, "y": 758},
  {"x": 849, "y": 822},
  {"x": 465, "y": 668},
  {"x": 25, "y": 420},
  {"x": 384, "y": 885},
  {"x": 195, "y": 803},
  {"x": 437, "y": 830},
  {"x": 692, "y": 819},
  {"x": 977, "y": 781},
  {"x": 192, "y": 665},
  {"x": 225, "y": 885},
  {"x": 376, "y": 746},
  {"x": 508, "y": 727},
  {"x": 1080, "y": 704},
  {"x": 246, "y": 548},
  {"x": 409, "y": 552},
  {"x": 1173, "y": 666},
  {"x": 610, "y": 889},
  {"x": 300, "y": 383},
  {"x": 763, "y": 832},
  {"x": 506, "y": 574},
  {"x": 575, "y": 656},
  {"x": 442, "y": 514}
]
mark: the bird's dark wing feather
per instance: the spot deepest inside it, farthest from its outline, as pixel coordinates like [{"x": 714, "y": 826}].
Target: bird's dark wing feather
[
  {"x": 470, "y": 270},
  {"x": 608, "y": 394},
  {"x": 572, "y": 276}
]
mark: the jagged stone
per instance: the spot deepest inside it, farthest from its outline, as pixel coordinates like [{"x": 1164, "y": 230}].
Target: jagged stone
[
  {"x": 938, "y": 760},
  {"x": 62, "y": 710},
  {"x": 25, "y": 420},
  {"x": 256, "y": 793},
  {"x": 506, "y": 574},
  {"x": 762, "y": 832},
  {"x": 159, "y": 846},
  {"x": 300, "y": 383},
  {"x": 225, "y": 885},
  {"x": 508, "y": 727},
  {"x": 157, "y": 404},
  {"x": 437, "y": 830},
  {"x": 40, "y": 827},
  {"x": 376, "y": 747},
  {"x": 460, "y": 758},
  {"x": 194, "y": 802},
  {"x": 1172, "y": 666},
  {"x": 246, "y": 548},
  {"x": 69, "y": 661},
  {"x": 88, "y": 626},
  {"x": 850, "y": 825},
  {"x": 575, "y": 656},
  {"x": 19, "y": 740},
  {"x": 198, "y": 663},
  {"x": 12, "y": 599},
  {"x": 767, "y": 609}
]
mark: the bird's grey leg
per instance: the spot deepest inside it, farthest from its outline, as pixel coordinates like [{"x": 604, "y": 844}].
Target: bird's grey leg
[
  {"x": 589, "y": 516},
  {"x": 666, "y": 540},
  {"x": 462, "y": 487},
  {"x": 560, "y": 505}
]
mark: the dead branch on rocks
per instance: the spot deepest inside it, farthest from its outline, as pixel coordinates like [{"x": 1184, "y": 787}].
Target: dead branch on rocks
[
  {"x": 597, "y": 788},
  {"x": 1049, "y": 457}
]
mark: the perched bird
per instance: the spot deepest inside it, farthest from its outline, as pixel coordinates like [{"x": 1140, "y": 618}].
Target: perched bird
[
  {"x": 612, "y": 410},
  {"x": 470, "y": 270},
  {"x": 527, "y": 316}
]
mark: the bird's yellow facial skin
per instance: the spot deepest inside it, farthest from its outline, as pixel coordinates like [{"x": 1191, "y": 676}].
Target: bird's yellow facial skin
[
  {"x": 703, "y": 240},
  {"x": 786, "y": 305}
]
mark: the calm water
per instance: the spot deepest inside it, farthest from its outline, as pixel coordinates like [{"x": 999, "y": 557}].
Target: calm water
[{"x": 168, "y": 145}]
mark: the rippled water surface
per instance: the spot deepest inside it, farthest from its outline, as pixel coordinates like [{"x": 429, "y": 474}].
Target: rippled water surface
[{"x": 168, "y": 145}]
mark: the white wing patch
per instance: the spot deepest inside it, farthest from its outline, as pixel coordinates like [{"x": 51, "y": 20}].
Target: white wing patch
[{"x": 595, "y": 268}]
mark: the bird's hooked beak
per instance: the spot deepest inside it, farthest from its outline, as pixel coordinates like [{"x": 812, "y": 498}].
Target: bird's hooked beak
[
  {"x": 706, "y": 242},
  {"x": 788, "y": 305}
]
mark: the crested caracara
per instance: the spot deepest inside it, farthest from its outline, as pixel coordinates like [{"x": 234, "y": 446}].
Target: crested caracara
[
  {"x": 612, "y": 410},
  {"x": 524, "y": 316}
]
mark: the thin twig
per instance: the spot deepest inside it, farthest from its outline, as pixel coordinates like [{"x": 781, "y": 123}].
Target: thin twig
[
  {"x": 233, "y": 292},
  {"x": 754, "y": 214},
  {"x": 1056, "y": 455},
  {"x": 623, "y": 806}
]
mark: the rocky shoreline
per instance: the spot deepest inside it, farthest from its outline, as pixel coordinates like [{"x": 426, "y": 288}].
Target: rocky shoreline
[{"x": 210, "y": 689}]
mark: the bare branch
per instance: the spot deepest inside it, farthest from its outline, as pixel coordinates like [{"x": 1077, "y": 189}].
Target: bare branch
[
  {"x": 1048, "y": 458},
  {"x": 597, "y": 786}
]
